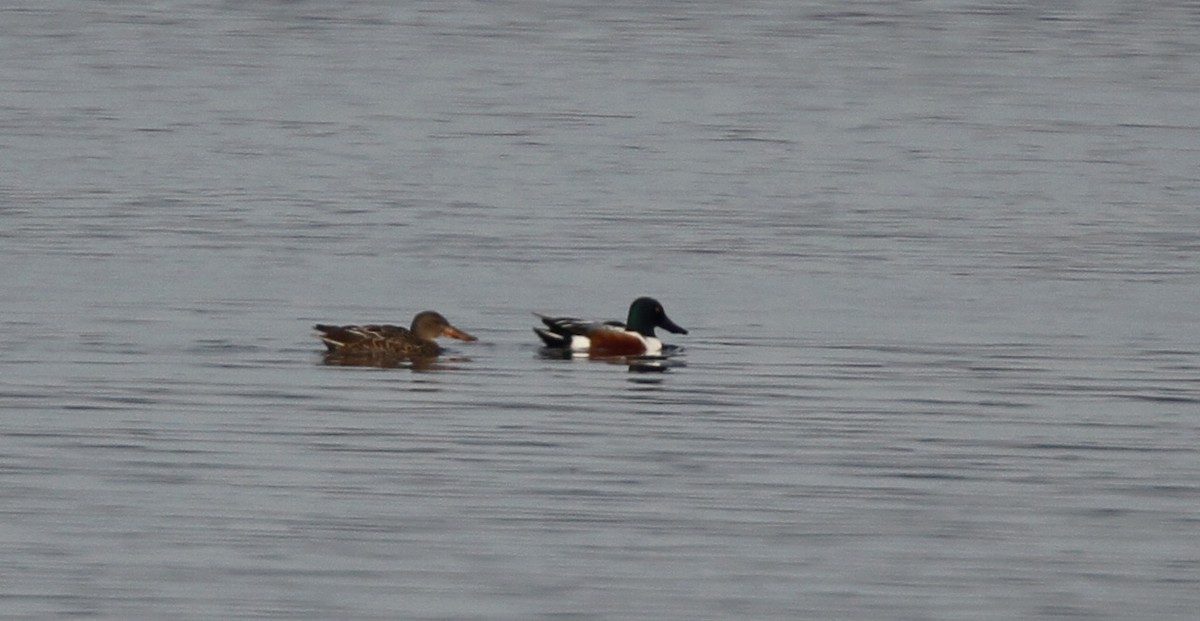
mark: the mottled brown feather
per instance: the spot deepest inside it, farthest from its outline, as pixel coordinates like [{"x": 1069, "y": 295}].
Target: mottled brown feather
[
  {"x": 376, "y": 339},
  {"x": 390, "y": 340}
]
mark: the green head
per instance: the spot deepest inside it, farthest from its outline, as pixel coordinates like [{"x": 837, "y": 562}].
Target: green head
[{"x": 646, "y": 314}]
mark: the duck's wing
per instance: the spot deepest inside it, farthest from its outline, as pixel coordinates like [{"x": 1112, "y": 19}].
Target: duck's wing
[
  {"x": 565, "y": 326},
  {"x": 561, "y": 331},
  {"x": 372, "y": 336}
]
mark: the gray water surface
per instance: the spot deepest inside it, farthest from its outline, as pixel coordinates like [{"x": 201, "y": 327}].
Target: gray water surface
[{"x": 940, "y": 264}]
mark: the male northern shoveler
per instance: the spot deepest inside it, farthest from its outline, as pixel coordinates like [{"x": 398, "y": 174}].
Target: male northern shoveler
[
  {"x": 389, "y": 340},
  {"x": 611, "y": 338}
]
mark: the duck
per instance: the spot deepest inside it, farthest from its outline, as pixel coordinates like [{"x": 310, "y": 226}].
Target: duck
[
  {"x": 634, "y": 337},
  {"x": 387, "y": 340}
]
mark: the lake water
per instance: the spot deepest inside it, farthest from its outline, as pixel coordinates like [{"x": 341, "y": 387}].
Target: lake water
[{"x": 939, "y": 260}]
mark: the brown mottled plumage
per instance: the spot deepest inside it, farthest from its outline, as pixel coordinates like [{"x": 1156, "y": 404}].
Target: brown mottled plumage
[{"x": 389, "y": 340}]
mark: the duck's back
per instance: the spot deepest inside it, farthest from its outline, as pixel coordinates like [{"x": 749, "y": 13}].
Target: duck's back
[{"x": 375, "y": 339}]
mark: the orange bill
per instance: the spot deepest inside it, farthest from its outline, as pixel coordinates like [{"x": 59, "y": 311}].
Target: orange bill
[{"x": 455, "y": 333}]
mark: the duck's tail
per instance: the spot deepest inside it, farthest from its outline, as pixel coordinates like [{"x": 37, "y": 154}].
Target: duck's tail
[
  {"x": 552, "y": 339},
  {"x": 334, "y": 337}
]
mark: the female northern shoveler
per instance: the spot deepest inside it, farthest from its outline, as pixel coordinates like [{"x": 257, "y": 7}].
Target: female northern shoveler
[
  {"x": 391, "y": 341},
  {"x": 611, "y": 338}
]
